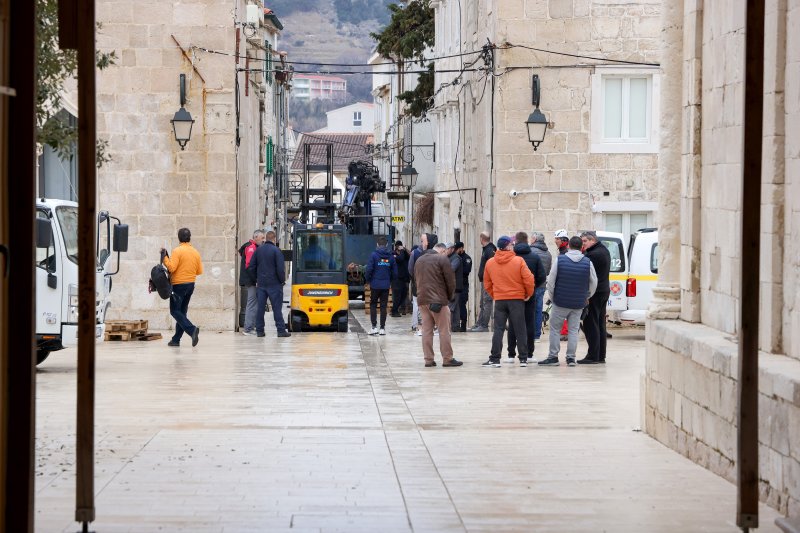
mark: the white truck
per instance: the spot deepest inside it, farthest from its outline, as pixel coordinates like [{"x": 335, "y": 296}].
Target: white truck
[{"x": 57, "y": 272}]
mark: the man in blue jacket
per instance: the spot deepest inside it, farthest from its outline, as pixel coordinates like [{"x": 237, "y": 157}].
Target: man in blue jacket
[
  {"x": 267, "y": 267},
  {"x": 381, "y": 271}
]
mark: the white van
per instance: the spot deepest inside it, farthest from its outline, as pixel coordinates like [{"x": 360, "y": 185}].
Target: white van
[
  {"x": 618, "y": 275},
  {"x": 642, "y": 275}
]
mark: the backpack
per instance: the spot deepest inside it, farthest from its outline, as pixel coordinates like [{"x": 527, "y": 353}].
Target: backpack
[{"x": 159, "y": 280}]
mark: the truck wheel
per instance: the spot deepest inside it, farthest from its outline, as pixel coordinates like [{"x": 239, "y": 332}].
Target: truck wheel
[
  {"x": 341, "y": 326},
  {"x": 41, "y": 355}
]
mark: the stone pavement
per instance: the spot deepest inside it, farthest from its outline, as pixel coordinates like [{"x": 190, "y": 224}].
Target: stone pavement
[{"x": 326, "y": 432}]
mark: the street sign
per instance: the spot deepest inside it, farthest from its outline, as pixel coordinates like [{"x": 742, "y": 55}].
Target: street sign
[{"x": 399, "y": 219}]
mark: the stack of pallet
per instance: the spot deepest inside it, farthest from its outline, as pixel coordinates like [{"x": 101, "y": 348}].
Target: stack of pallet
[
  {"x": 367, "y": 295},
  {"x": 129, "y": 330}
]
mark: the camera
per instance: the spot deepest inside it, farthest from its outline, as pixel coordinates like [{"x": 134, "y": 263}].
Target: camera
[{"x": 513, "y": 194}]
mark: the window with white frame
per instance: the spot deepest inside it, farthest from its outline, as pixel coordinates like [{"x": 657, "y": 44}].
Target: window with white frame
[
  {"x": 627, "y": 223},
  {"x": 356, "y": 118},
  {"x": 625, "y": 110}
]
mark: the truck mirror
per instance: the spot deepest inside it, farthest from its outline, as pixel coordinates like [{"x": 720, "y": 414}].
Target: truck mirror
[
  {"x": 120, "y": 237},
  {"x": 52, "y": 280},
  {"x": 44, "y": 233}
]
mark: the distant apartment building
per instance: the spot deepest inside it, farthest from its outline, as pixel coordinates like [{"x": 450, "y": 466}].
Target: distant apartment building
[
  {"x": 314, "y": 87},
  {"x": 354, "y": 118}
]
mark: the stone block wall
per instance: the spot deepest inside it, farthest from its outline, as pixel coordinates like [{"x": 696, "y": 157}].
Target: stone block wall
[
  {"x": 151, "y": 184},
  {"x": 691, "y": 406}
]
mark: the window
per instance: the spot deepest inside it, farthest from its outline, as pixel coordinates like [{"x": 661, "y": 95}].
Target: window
[
  {"x": 625, "y": 111},
  {"x": 616, "y": 251},
  {"x": 319, "y": 252},
  {"x": 654, "y": 259},
  {"x": 356, "y": 118},
  {"x": 627, "y": 223}
]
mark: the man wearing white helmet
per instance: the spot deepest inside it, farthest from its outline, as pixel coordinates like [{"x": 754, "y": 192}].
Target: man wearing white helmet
[{"x": 562, "y": 241}]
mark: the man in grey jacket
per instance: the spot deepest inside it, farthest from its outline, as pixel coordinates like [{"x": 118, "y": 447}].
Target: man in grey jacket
[
  {"x": 540, "y": 248},
  {"x": 572, "y": 281}
]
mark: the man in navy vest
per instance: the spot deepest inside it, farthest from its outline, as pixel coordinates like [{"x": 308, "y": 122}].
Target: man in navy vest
[{"x": 572, "y": 281}]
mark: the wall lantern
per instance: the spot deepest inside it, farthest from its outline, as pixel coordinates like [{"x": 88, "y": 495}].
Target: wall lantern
[
  {"x": 296, "y": 196},
  {"x": 182, "y": 122},
  {"x": 537, "y": 122},
  {"x": 408, "y": 176}
]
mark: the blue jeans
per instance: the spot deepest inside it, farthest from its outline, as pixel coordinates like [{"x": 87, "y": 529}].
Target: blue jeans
[
  {"x": 275, "y": 295},
  {"x": 538, "y": 295},
  {"x": 178, "y": 307},
  {"x": 252, "y": 307}
]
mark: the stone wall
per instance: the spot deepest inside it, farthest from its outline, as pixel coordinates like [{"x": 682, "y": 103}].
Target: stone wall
[
  {"x": 692, "y": 368},
  {"x": 151, "y": 184}
]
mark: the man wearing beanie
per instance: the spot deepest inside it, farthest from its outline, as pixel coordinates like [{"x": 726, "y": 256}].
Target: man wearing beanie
[{"x": 509, "y": 282}]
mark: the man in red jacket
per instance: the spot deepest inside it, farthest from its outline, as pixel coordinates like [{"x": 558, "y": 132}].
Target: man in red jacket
[
  {"x": 246, "y": 279},
  {"x": 509, "y": 282}
]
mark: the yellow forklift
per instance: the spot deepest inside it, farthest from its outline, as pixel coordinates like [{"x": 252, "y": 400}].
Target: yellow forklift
[{"x": 319, "y": 278}]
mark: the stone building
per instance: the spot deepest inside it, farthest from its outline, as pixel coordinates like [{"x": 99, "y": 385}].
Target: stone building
[
  {"x": 600, "y": 84},
  {"x": 217, "y": 185},
  {"x": 692, "y": 354}
]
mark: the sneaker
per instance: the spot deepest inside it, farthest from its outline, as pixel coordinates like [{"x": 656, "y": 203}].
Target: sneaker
[
  {"x": 523, "y": 362},
  {"x": 381, "y": 331},
  {"x": 601, "y": 362},
  {"x": 261, "y": 334},
  {"x": 248, "y": 332},
  {"x": 195, "y": 336},
  {"x": 532, "y": 360},
  {"x": 478, "y": 329},
  {"x": 493, "y": 364},
  {"x": 550, "y": 361},
  {"x": 284, "y": 334},
  {"x": 511, "y": 359},
  {"x": 419, "y": 332},
  {"x": 571, "y": 361},
  {"x": 453, "y": 362},
  {"x": 173, "y": 343},
  {"x": 588, "y": 361},
  {"x": 395, "y": 315},
  {"x": 373, "y": 331},
  {"x": 432, "y": 363}
]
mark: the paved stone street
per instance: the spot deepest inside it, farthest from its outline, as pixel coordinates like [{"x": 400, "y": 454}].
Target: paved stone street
[{"x": 346, "y": 432}]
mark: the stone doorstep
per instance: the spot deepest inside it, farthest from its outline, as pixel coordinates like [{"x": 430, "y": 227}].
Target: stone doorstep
[{"x": 779, "y": 375}]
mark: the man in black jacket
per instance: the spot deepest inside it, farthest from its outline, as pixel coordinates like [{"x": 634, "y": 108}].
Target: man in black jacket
[
  {"x": 267, "y": 265},
  {"x": 534, "y": 263},
  {"x": 540, "y": 248},
  {"x": 400, "y": 284},
  {"x": 485, "y": 315},
  {"x": 248, "y": 280},
  {"x": 466, "y": 262},
  {"x": 594, "y": 325},
  {"x": 458, "y": 269}
]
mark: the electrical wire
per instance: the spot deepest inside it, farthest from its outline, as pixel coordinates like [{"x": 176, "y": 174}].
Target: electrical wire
[{"x": 508, "y": 46}]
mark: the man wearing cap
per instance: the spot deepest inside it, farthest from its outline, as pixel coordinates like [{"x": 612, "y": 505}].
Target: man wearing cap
[
  {"x": 562, "y": 242},
  {"x": 436, "y": 285},
  {"x": 594, "y": 325},
  {"x": 509, "y": 282},
  {"x": 466, "y": 263},
  {"x": 400, "y": 284},
  {"x": 572, "y": 281},
  {"x": 489, "y": 249},
  {"x": 458, "y": 269}
]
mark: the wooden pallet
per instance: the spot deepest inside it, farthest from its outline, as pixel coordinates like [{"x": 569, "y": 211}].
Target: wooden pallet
[
  {"x": 126, "y": 325},
  {"x": 149, "y": 337}
]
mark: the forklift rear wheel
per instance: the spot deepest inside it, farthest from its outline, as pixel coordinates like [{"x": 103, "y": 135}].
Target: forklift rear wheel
[
  {"x": 296, "y": 323},
  {"x": 41, "y": 355},
  {"x": 342, "y": 325}
]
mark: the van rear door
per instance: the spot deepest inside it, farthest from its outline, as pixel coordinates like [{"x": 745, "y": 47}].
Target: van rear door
[
  {"x": 618, "y": 273},
  {"x": 644, "y": 270}
]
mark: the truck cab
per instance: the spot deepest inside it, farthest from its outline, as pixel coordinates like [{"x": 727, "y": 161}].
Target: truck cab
[{"x": 57, "y": 273}]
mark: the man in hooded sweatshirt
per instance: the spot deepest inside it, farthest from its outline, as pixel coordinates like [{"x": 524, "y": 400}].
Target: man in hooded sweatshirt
[
  {"x": 427, "y": 242},
  {"x": 572, "y": 281},
  {"x": 540, "y": 248},
  {"x": 522, "y": 249},
  {"x": 381, "y": 271},
  {"x": 509, "y": 282}
]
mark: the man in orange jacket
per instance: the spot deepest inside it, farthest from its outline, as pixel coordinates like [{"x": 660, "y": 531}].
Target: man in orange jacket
[
  {"x": 509, "y": 282},
  {"x": 184, "y": 266}
]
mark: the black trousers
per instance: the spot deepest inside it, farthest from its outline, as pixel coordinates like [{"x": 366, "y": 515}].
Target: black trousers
[
  {"x": 594, "y": 326},
  {"x": 383, "y": 295},
  {"x": 399, "y": 293},
  {"x": 504, "y": 311},
  {"x": 463, "y": 297},
  {"x": 530, "y": 329}
]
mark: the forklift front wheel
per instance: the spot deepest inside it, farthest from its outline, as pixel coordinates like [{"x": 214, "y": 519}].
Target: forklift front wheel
[{"x": 41, "y": 355}]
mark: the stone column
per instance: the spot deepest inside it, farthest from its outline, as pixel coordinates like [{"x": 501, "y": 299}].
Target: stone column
[
  {"x": 692, "y": 162},
  {"x": 666, "y": 294}
]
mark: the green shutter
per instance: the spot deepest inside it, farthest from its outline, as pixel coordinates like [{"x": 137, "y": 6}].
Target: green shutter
[{"x": 269, "y": 154}]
